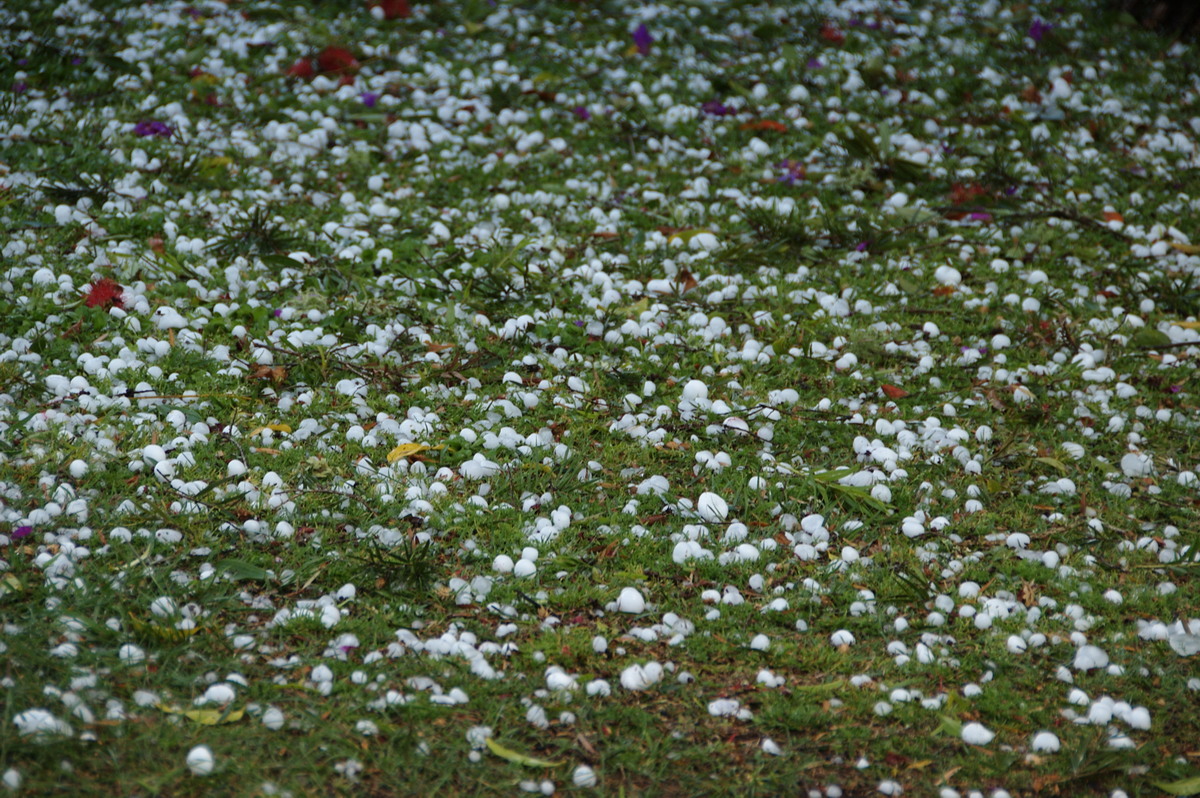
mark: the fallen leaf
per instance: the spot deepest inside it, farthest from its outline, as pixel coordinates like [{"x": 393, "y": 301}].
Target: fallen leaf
[
  {"x": 1187, "y": 249},
  {"x": 303, "y": 68},
  {"x": 764, "y": 124},
  {"x": 405, "y": 450},
  {"x": 892, "y": 391},
  {"x": 1187, "y": 325},
  {"x": 685, "y": 281},
  {"x": 272, "y": 427},
  {"x": 1113, "y": 216},
  {"x": 832, "y": 34},
  {"x": 1188, "y": 786},
  {"x": 395, "y": 9},
  {"x": 336, "y": 59},
  {"x": 165, "y": 634},
  {"x": 276, "y": 374},
  {"x": 518, "y": 758},
  {"x": 205, "y": 717}
]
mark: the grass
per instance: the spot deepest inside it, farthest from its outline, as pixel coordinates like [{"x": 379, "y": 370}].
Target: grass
[{"x": 904, "y": 289}]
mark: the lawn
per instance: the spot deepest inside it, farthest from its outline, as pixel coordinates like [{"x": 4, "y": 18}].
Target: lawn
[{"x": 598, "y": 398}]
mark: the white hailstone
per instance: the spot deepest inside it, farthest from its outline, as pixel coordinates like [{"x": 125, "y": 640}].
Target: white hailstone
[
  {"x": 841, "y": 637},
  {"x": 235, "y": 468},
  {"x": 631, "y": 601},
  {"x": 584, "y": 777},
  {"x": 694, "y": 390},
  {"x": 503, "y": 564},
  {"x": 977, "y": 734},
  {"x": 78, "y": 468},
  {"x": 164, "y": 607},
  {"x": 734, "y": 424},
  {"x": 598, "y": 687},
  {"x": 712, "y": 508},
  {"x": 769, "y": 746},
  {"x": 947, "y": 275},
  {"x": 1138, "y": 718},
  {"x": 40, "y": 723},
  {"x": 11, "y": 779},
  {"x": 760, "y": 642},
  {"x": 1045, "y": 741},
  {"x": 166, "y": 318},
  {"x": 524, "y": 568},
  {"x": 1137, "y": 465},
  {"x": 724, "y": 707},
  {"x": 366, "y": 728},
  {"x": 273, "y": 718},
  {"x": 200, "y": 760},
  {"x": 599, "y": 644},
  {"x": 220, "y": 693},
  {"x": 1090, "y": 658},
  {"x": 1016, "y": 644},
  {"x": 558, "y": 680},
  {"x": 898, "y": 200},
  {"x": 641, "y": 677},
  {"x": 131, "y": 654}
]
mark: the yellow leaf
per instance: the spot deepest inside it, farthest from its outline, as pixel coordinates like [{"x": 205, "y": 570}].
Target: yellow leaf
[
  {"x": 518, "y": 758},
  {"x": 405, "y": 450},
  {"x": 1187, "y": 249},
  {"x": 216, "y": 162},
  {"x": 272, "y": 427},
  {"x": 687, "y": 235},
  {"x": 165, "y": 634},
  {"x": 1187, "y": 325},
  {"x": 920, "y": 765},
  {"x": 9, "y": 583},
  {"x": 205, "y": 717}
]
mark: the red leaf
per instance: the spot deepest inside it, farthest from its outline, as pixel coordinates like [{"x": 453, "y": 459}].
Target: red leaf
[
  {"x": 336, "y": 59},
  {"x": 832, "y": 34},
  {"x": 893, "y": 392},
  {"x": 395, "y": 9},
  {"x": 1113, "y": 216},
  {"x": 765, "y": 124},
  {"x": 966, "y": 193},
  {"x": 303, "y": 69},
  {"x": 105, "y": 293}
]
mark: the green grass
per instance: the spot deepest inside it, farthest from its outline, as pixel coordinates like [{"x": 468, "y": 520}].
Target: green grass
[{"x": 347, "y": 287}]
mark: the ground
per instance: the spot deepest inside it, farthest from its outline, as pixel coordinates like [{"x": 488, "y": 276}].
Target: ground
[{"x": 618, "y": 398}]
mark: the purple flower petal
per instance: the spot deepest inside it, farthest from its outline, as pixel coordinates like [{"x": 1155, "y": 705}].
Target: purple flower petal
[
  {"x": 152, "y": 127},
  {"x": 1038, "y": 29},
  {"x": 582, "y": 113},
  {"x": 717, "y": 108},
  {"x": 643, "y": 39},
  {"x": 21, "y": 532},
  {"x": 369, "y": 98}
]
